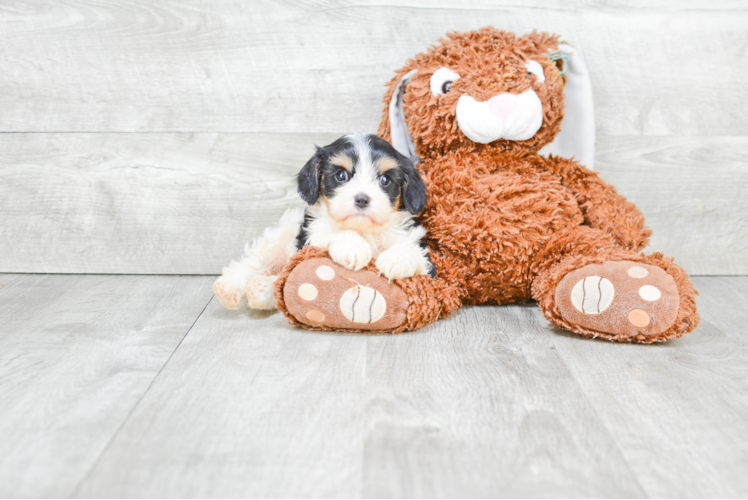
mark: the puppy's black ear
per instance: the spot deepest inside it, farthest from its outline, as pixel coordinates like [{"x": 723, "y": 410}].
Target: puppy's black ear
[
  {"x": 308, "y": 179},
  {"x": 414, "y": 189}
]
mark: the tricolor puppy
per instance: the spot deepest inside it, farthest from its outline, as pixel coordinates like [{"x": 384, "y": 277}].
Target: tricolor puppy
[{"x": 363, "y": 197}]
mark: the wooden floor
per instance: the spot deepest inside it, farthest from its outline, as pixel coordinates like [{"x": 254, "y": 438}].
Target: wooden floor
[{"x": 144, "y": 386}]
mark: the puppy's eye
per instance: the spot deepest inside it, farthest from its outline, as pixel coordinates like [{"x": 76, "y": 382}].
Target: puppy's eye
[
  {"x": 342, "y": 175},
  {"x": 384, "y": 180},
  {"x": 442, "y": 80}
]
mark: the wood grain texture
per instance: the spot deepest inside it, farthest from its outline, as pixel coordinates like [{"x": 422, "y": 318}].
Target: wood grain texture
[
  {"x": 722, "y": 300},
  {"x": 141, "y": 203},
  {"x": 481, "y": 406},
  {"x": 187, "y": 203},
  {"x": 492, "y": 402},
  {"x": 677, "y": 411},
  {"x": 692, "y": 193},
  {"x": 320, "y": 66},
  {"x": 247, "y": 407},
  {"x": 76, "y": 355}
]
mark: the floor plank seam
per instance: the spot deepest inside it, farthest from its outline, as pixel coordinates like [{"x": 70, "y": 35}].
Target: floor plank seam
[
  {"x": 604, "y": 424},
  {"x": 116, "y": 433}
]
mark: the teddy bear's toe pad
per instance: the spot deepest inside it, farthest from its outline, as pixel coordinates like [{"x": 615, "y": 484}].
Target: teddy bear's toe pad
[
  {"x": 321, "y": 294},
  {"x": 621, "y": 298}
]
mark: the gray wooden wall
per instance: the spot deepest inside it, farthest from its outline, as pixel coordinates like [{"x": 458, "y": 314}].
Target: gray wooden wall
[{"x": 156, "y": 136}]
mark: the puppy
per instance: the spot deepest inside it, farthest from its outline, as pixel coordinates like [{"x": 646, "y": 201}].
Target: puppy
[{"x": 362, "y": 198}]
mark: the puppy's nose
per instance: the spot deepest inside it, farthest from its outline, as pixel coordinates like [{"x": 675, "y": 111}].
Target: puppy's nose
[{"x": 361, "y": 200}]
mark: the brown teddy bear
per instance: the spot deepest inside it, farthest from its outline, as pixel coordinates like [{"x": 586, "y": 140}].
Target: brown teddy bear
[{"x": 504, "y": 223}]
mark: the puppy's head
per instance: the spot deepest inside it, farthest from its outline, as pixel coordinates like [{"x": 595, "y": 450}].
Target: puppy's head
[{"x": 361, "y": 180}]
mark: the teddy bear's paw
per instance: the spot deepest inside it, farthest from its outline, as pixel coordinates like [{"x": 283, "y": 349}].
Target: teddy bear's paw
[
  {"x": 228, "y": 294},
  {"x": 621, "y": 298},
  {"x": 260, "y": 292},
  {"x": 324, "y": 295}
]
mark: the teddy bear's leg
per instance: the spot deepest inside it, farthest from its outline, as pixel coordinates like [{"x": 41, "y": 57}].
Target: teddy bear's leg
[
  {"x": 315, "y": 293},
  {"x": 585, "y": 283}
]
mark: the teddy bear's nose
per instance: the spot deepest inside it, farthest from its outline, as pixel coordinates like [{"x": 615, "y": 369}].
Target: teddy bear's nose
[{"x": 503, "y": 105}]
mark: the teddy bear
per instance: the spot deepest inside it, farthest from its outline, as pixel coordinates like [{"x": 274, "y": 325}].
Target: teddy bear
[{"x": 504, "y": 223}]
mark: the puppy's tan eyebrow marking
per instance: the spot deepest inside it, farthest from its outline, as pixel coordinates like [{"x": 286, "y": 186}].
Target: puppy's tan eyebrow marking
[
  {"x": 386, "y": 163},
  {"x": 342, "y": 160}
]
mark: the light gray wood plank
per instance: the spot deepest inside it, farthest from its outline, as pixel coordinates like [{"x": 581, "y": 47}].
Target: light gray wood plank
[
  {"x": 142, "y": 203},
  {"x": 481, "y": 406},
  {"x": 76, "y": 355},
  {"x": 320, "y": 66},
  {"x": 439, "y": 413},
  {"x": 722, "y": 301},
  {"x": 666, "y": 5},
  {"x": 187, "y": 203},
  {"x": 678, "y": 411},
  {"x": 247, "y": 407},
  {"x": 491, "y": 402},
  {"x": 692, "y": 193}
]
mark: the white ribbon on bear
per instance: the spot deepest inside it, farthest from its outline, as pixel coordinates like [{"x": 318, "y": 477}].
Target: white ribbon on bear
[
  {"x": 400, "y": 137},
  {"x": 577, "y": 137}
]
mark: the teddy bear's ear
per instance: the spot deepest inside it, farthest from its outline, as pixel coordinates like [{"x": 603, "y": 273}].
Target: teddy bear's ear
[
  {"x": 577, "y": 136},
  {"x": 399, "y": 136}
]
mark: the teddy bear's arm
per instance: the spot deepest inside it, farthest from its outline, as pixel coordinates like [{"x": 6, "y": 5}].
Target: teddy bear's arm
[{"x": 603, "y": 207}]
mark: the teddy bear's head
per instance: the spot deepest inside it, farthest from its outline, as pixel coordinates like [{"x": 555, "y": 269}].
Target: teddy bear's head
[{"x": 478, "y": 88}]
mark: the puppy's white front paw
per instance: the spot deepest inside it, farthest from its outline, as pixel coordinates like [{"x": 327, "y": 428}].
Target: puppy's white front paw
[
  {"x": 260, "y": 292},
  {"x": 397, "y": 265},
  {"x": 351, "y": 253},
  {"x": 228, "y": 294}
]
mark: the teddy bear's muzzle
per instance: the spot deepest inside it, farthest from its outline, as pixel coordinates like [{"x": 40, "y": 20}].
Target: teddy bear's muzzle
[{"x": 514, "y": 117}]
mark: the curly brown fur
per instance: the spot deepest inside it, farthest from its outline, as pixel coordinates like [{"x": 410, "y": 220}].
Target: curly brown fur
[
  {"x": 618, "y": 217},
  {"x": 504, "y": 223}
]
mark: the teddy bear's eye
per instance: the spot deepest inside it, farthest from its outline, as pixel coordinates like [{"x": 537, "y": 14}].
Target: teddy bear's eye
[
  {"x": 442, "y": 80},
  {"x": 534, "y": 68}
]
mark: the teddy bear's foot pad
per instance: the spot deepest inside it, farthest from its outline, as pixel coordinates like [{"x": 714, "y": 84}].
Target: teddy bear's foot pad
[
  {"x": 322, "y": 294},
  {"x": 621, "y": 298}
]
